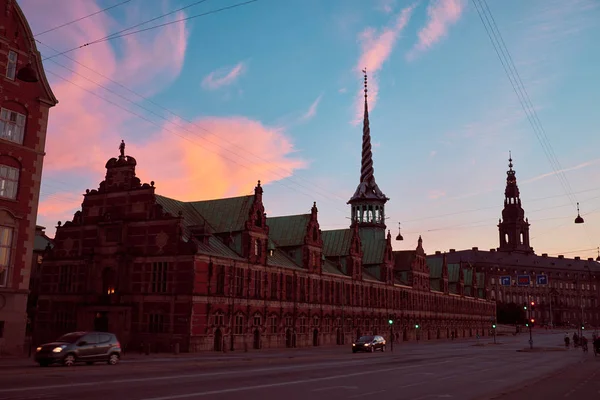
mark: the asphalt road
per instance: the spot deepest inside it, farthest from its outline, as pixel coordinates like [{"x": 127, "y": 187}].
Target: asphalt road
[{"x": 458, "y": 370}]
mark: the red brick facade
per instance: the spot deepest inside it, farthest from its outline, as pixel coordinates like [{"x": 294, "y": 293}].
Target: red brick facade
[
  {"x": 23, "y": 122},
  {"x": 219, "y": 274}
]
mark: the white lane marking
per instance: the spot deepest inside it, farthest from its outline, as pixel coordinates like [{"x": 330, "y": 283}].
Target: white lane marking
[
  {"x": 334, "y": 387},
  {"x": 366, "y": 394},
  {"x": 289, "y": 383},
  {"x": 186, "y": 376}
]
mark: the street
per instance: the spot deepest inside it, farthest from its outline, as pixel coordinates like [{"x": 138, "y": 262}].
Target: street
[{"x": 459, "y": 370}]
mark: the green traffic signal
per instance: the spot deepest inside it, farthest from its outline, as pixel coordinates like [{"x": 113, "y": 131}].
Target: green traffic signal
[
  {"x": 524, "y": 307},
  {"x": 417, "y": 326},
  {"x": 527, "y": 324},
  {"x": 390, "y": 321},
  {"x": 494, "y": 326}
]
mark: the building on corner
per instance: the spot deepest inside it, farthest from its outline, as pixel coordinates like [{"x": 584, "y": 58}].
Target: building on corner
[
  {"x": 564, "y": 291},
  {"x": 221, "y": 275},
  {"x": 26, "y": 99}
]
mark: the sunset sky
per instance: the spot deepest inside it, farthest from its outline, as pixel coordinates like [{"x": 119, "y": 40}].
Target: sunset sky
[{"x": 270, "y": 91}]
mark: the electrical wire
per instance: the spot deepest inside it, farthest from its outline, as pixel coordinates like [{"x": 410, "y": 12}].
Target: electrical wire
[
  {"x": 82, "y": 18},
  {"x": 121, "y": 33}
]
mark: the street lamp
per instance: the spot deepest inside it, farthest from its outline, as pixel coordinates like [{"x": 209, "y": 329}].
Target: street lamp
[
  {"x": 578, "y": 220},
  {"x": 27, "y": 74}
]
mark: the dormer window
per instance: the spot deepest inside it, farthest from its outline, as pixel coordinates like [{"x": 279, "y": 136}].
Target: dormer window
[{"x": 11, "y": 65}]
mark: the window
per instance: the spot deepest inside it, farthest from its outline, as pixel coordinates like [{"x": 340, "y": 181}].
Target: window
[
  {"x": 9, "y": 182},
  {"x": 239, "y": 325},
  {"x": 159, "y": 277},
  {"x": 67, "y": 279},
  {"x": 156, "y": 323},
  {"x": 239, "y": 282},
  {"x": 6, "y": 235},
  {"x": 219, "y": 319},
  {"x": 220, "y": 280},
  {"x": 12, "y": 126},
  {"x": 273, "y": 286},
  {"x": 11, "y": 65},
  {"x": 257, "y": 285},
  {"x": 1, "y": 329},
  {"x": 273, "y": 324}
]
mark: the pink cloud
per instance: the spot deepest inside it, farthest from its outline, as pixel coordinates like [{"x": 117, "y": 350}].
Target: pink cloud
[
  {"x": 376, "y": 49},
  {"x": 436, "y": 194},
  {"x": 441, "y": 14},
  {"x": 223, "y": 76}
]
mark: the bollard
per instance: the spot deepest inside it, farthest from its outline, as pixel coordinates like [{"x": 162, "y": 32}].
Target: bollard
[{"x": 176, "y": 349}]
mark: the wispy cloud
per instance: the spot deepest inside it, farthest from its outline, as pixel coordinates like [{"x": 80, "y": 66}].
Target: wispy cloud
[
  {"x": 441, "y": 14},
  {"x": 223, "y": 76},
  {"x": 386, "y": 6},
  {"x": 560, "y": 171},
  {"x": 432, "y": 153},
  {"x": 312, "y": 110},
  {"x": 376, "y": 49},
  {"x": 436, "y": 194}
]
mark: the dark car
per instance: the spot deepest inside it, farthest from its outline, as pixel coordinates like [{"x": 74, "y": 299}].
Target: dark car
[
  {"x": 369, "y": 343},
  {"x": 88, "y": 347}
]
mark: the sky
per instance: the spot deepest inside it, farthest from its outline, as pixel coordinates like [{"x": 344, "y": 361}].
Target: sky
[{"x": 271, "y": 90}]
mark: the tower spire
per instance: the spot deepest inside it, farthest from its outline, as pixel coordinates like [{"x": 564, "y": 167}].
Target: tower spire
[
  {"x": 514, "y": 227},
  {"x": 368, "y": 200},
  {"x": 366, "y": 168}
]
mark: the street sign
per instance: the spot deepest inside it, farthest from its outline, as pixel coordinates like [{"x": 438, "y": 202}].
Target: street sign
[
  {"x": 505, "y": 280},
  {"x": 542, "y": 279},
  {"x": 523, "y": 280}
]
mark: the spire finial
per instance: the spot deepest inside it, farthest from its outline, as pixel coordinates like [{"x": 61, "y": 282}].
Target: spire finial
[
  {"x": 510, "y": 164},
  {"x": 365, "y": 75}
]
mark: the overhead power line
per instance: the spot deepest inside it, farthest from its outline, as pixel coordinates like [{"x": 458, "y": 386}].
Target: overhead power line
[
  {"x": 82, "y": 18},
  {"x": 123, "y": 33}
]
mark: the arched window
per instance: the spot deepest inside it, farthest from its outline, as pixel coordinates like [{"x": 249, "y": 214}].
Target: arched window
[{"x": 108, "y": 281}]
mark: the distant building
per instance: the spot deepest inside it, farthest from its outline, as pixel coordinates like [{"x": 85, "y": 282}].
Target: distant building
[
  {"x": 565, "y": 291},
  {"x": 24, "y": 108},
  {"x": 41, "y": 244},
  {"x": 216, "y": 274}
]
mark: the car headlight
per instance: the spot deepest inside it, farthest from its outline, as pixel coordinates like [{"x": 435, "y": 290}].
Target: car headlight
[
  {"x": 367, "y": 344},
  {"x": 58, "y": 349},
  {"x": 353, "y": 344},
  {"x": 38, "y": 349}
]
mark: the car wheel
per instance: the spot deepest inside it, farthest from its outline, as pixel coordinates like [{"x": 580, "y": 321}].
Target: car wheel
[
  {"x": 69, "y": 360},
  {"x": 113, "y": 359},
  {"x": 44, "y": 364},
  {"x": 383, "y": 348},
  {"x": 372, "y": 349}
]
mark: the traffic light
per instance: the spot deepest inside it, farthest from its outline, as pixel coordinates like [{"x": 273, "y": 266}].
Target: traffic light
[
  {"x": 493, "y": 326},
  {"x": 416, "y": 326},
  {"x": 582, "y": 327},
  {"x": 525, "y": 308},
  {"x": 527, "y": 324},
  {"x": 390, "y": 321},
  {"x": 533, "y": 306},
  {"x": 532, "y": 322}
]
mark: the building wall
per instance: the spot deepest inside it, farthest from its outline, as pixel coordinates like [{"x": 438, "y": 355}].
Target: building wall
[{"x": 18, "y": 214}]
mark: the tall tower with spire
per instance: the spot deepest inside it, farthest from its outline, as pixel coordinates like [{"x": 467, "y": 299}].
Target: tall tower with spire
[
  {"x": 368, "y": 201},
  {"x": 513, "y": 227}
]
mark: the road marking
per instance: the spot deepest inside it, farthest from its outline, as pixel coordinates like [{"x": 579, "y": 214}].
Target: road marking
[
  {"x": 186, "y": 376},
  {"x": 289, "y": 383},
  {"x": 334, "y": 387},
  {"x": 366, "y": 394}
]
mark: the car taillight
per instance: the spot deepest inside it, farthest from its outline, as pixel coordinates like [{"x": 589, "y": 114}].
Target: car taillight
[{"x": 117, "y": 345}]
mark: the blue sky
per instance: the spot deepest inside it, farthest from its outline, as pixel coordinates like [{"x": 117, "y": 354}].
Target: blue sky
[{"x": 278, "y": 81}]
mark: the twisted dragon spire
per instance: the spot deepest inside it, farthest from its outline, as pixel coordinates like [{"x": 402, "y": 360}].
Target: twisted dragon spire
[{"x": 366, "y": 170}]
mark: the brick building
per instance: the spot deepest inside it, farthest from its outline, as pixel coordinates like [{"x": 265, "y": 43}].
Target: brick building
[
  {"x": 567, "y": 296},
  {"x": 218, "y": 274},
  {"x": 25, "y": 101}
]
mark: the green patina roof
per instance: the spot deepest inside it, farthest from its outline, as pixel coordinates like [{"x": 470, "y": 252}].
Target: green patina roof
[
  {"x": 288, "y": 230},
  {"x": 480, "y": 279},
  {"x": 435, "y": 266},
  {"x": 453, "y": 272},
  {"x": 337, "y": 242},
  {"x": 468, "y": 275},
  {"x": 371, "y": 274},
  {"x": 331, "y": 268},
  {"x": 225, "y": 215},
  {"x": 191, "y": 217},
  {"x": 280, "y": 259},
  {"x": 218, "y": 249},
  {"x": 373, "y": 244}
]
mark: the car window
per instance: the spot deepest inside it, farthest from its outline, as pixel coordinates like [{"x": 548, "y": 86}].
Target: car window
[
  {"x": 103, "y": 338},
  {"x": 91, "y": 338},
  {"x": 70, "y": 338}
]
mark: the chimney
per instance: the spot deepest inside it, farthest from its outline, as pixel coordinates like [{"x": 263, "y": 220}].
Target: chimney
[
  {"x": 438, "y": 253},
  {"x": 475, "y": 248},
  {"x": 578, "y": 258},
  {"x": 492, "y": 250},
  {"x": 560, "y": 256},
  {"x": 544, "y": 254},
  {"x": 452, "y": 250}
]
